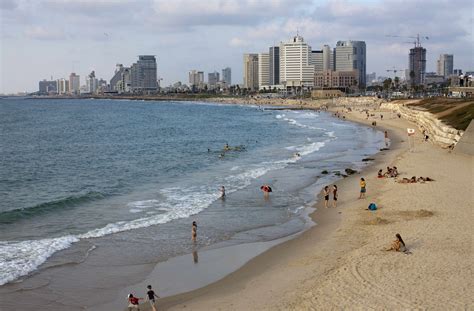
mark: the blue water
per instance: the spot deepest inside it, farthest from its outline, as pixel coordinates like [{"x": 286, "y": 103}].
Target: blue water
[{"x": 99, "y": 175}]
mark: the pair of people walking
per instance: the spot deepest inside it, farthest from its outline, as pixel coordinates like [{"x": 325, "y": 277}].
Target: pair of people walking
[
  {"x": 327, "y": 193},
  {"x": 133, "y": 302}
]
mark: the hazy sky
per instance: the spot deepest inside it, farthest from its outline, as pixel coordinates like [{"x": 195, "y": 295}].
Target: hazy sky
[{"x": 44, "y": 38}]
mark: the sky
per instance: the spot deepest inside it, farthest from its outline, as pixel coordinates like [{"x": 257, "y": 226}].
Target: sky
[{"x": 41, "y": 39}]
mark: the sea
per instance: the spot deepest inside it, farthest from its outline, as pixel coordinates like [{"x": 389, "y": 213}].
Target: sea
[{"x": 95, "y": 185}]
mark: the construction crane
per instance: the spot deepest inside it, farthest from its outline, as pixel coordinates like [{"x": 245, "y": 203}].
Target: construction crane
[
  {"x": 394, "y": 70},
  {"x": 416, "y": 42}
]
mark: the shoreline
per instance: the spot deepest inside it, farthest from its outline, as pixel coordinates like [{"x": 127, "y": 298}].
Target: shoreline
[
  {"x": 339, "y": 263},
  {"x": 327, "y": 222}
]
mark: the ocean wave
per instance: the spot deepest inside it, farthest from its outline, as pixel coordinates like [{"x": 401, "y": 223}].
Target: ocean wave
[
  {"x": 19, "y": 258},
  {"x": 11, "y": 216}
]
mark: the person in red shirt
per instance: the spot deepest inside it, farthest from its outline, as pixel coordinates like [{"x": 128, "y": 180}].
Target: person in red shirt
[{"x": 133, "y": 303}]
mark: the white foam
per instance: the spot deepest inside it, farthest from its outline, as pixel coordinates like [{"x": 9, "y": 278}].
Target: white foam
[{"x": 20, "y": 258}]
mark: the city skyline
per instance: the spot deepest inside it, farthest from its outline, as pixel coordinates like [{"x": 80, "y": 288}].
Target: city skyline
[{"x": 56, "y": 37}]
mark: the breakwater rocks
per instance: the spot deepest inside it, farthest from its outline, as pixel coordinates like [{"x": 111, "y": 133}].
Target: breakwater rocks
[{"x": 438, "y": 132}]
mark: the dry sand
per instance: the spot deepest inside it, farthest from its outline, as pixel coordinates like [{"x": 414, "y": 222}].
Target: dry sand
[{"x": 340, "y": 264}]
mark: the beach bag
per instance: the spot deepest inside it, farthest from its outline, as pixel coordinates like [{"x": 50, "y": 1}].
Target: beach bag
[{"x": 372, "y": 207}]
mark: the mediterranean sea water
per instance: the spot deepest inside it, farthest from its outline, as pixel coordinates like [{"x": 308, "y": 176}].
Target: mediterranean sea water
[{"x": 117, "y": 182}]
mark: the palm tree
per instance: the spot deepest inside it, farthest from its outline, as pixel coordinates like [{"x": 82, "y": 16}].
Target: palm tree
[{"x": 397, "y": 81}]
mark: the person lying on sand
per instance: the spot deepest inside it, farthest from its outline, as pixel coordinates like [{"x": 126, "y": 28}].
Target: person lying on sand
[
  {"x": 398, "y": 245},
  {"x": 423, "y": 179}
]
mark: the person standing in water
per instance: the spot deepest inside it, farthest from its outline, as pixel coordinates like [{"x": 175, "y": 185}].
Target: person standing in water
[
  {"x": 386, "y": 139},
  {"x": 326, "y": 196},
  {"x": 362, "y": 188},
  {"x": 222, "y": 192},
  {"x": 334, "y": 193},
  {"x": 194, "y": 232}
]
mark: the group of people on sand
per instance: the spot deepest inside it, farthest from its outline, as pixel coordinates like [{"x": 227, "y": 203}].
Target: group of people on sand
[
  {"x": 327, "y": 193},
  {"x": 414, "y": 180},
  {"x": 391, "y": 172},
  {"x": 134, "y": 302}
]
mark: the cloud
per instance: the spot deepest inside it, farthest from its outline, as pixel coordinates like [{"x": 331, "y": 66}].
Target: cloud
[
  {"x": 189, "y": 14},
  {"x": 42, "y": 33},
  {"x": 8, "y": 5},
  {"x": 237, "y": 42}
]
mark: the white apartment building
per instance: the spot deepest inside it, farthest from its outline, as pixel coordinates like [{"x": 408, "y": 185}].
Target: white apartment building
[
  {"x": 196, "y": 77},
  {"x": 263, "y": 70},
  {"x": 296, "y": 68},
  {"x": 74, "y": 83}
]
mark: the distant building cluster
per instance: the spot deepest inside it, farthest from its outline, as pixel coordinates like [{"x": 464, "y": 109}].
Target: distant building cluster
[
  {"x": 140, "y": 77},
  {"x": 293, "y": 66},
  {"x": 215, "y": 81}
]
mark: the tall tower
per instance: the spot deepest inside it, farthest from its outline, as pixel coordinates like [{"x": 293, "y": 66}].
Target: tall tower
[
  {"x": 445, "y": 65},
  {"x": 227, "y": 76},
  {"x": 263, "y": 69},
  {"x": 296, "y": 68},
  {"x": 274, "y": 65},
  {"x": 251, "y": 71},
  {"x": 417, "y": 65},
  {"x": 351, "y": 55}
]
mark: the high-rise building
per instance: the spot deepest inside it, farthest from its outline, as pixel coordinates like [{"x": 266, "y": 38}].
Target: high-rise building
[
  {"x": 74, "y": 83},
  {"x": 296, "y": 68},
  {"x": 47, "y": 87},
  {"x": 274, "y": 65},
  {"x": 122, "y": 80},
  {"x": 62, "y": 86},
  {"x": 251, "y": 71},
  {"x": 351, "y": 55},
  {"x": 92, "y": 83},
  {"x": 445, "y": 65},
  {"x": 227, "y": 76},
  {"x": 328, "y": 58},
  {"x": 213, "y": 78},
  {"x": 196, "y": 78},
  {"x": 143, "y": 74},
  {"x": 417, "y": 65},
  {"x": 263, "y": 69},
  {"x": 457, "y": 72},
  {"x": 317, "y": 60}
]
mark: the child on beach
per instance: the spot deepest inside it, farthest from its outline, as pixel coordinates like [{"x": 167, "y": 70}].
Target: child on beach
[
  {"x": 133, "y": 303},
  {"x": 362, "y": 188},
  {"x": 326, "y": 196},
  {"x": 334, "y": 193},
  {"x": 194, "y": 231},
  {"x": 151, "y": 297}
]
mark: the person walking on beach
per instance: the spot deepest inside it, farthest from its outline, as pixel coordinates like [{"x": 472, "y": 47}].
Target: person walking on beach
[
  {"x": 133, "y": 303},
  {"x": 386, "y": 139},
  {"x": 151, "y": 297},
  {"x": 362, "y": 188},
  {"x": 334, "y": 194},
  {"x": 194, "y": 232},
  {"x": 326, "y": 196}
]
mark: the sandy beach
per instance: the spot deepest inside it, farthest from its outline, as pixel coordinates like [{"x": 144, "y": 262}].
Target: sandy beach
[{"x": 340, "y": 262}]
